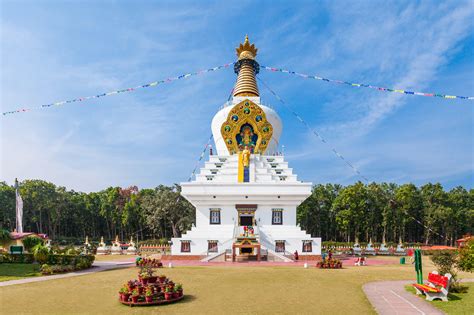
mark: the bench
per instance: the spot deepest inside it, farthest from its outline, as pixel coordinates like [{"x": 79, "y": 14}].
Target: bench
[
  {"x": 16, "y": 249},
  {"x": 437, "y": 287}
]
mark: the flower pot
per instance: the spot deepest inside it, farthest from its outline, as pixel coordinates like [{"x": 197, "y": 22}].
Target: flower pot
[
  {"x": 135, "y": 298},
  {"x": 144, "y": 281},
  {"x": 162, "y": 279},
  {"x": 149, "y": 299},
  {"x": 180, "y": 293},
  {"x": 125, "y": 297},
  {"x": 152, "y": 279},
  {"x": 175, "y": 295},
  {"x": 168, "y": 296},
  {"x": 140, "y": 290}
]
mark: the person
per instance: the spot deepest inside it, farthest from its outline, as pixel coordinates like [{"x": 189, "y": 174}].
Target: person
[{"x": 296, "y": 255}]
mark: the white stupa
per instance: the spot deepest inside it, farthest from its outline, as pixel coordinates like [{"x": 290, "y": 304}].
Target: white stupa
[
  {"x": 248, "y": 185},
  {"x": 131, "y": 250},
  {"x": 102, "y": 249},
  {"x": 116, "y": 248}
]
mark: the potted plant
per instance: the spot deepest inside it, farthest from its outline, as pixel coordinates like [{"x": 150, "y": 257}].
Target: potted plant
[
  {"x": 171, "y": 285},
  {"x": 152, "y": 278},
  {"x": 135, "y": 295},
  {"x": 140, "y": 288},
  {"x": 168, "y": 294},
  {"x": 149, "y": 295},
  {"x": 179, "y": 288},
  {"x": 124, "y": 293},
  {"x": 162, "y": 278},
  {"x": 131, "y": 285}
]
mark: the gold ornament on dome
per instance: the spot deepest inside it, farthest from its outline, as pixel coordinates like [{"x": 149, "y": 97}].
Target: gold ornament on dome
[
  {"x": 247, "y": 50},
  {"x": 247, "y": 126}
]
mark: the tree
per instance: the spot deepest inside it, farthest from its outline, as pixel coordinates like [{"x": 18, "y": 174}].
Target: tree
[
  {"x": 351, "y": 207},
  {"x": 7, "y": 206},
  {"x": 165, "y": 207}
]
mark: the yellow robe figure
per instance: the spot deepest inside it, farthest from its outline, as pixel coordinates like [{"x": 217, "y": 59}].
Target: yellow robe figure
[
  {"x": 246, "y": 157},
  {"x": 244, "y": 162}
]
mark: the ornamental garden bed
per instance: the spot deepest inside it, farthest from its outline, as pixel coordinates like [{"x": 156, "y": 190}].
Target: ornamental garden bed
[
  {"x": 329, "y": 263},
  {"x": 150, "y": 289}
]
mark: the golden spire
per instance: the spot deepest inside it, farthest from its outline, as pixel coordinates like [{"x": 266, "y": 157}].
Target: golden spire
[{"x": 246, "y": 67}]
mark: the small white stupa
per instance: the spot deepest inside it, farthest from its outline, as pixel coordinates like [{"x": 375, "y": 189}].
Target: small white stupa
[
  {"x": 131, "y": 250},
  {"x": 116, "y": 248},
  {"x": 369, "y": 250},
  {"x": 400, "y": 249},
  {"x": 87, "y": 246},
  {"x": 356, "y": 248},
  {"x": 102, "y": 249},
  {"x": 383, "y": 250}
]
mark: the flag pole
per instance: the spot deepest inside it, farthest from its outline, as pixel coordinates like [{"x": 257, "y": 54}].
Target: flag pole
[{"x": 19, "y": 208}]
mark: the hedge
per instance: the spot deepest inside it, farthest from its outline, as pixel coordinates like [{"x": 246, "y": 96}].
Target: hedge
[{"x": 79, "y": 261}]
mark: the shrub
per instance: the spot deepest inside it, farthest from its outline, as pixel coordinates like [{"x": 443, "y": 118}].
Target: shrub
[
  {"x": 41, "y": 253},
  {"x": 466, "y": 257},
  {"x": 31, "y": 241},
  {"x": 445, "y": 262}
]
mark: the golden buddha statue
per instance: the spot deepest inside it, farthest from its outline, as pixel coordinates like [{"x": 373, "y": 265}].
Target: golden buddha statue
[{"x": 246, "y": 157}]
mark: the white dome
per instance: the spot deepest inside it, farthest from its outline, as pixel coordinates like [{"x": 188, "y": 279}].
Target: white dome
[{"x": 221, "y": 117}]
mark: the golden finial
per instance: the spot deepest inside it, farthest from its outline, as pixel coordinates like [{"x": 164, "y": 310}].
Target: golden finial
[{"x": 247, "y": 50}]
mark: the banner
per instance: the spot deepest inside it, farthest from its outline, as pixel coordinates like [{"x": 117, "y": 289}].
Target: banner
[
  {"x": 307, "y": 76},
  {"x": 152, "y": 84}
]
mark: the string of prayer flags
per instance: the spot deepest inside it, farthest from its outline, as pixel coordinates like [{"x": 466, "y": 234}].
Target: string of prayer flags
[
  {"x": 152, "y": 84},
  {"x": 384, "y": 89}
]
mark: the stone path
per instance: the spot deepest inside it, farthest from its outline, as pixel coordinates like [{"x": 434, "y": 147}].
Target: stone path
[
  {"x": 390, "y": 298},
  {"x": 97, "y": 266}
]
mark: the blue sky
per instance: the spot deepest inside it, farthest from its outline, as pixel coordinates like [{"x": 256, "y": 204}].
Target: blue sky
[{"x": 58, "y": 50}]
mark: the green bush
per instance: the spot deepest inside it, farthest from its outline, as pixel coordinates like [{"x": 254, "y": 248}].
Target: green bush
[
  {"x": 41, "y": 253},
  {"x": 31, "y": 241},
  {"x": 466, "y": 257},
  {"x": 445, "y": 261}
]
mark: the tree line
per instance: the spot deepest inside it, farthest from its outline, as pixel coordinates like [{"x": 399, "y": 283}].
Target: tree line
[
  {"x": 427, "y": 214},
  {"x": 60, "y": 213}
]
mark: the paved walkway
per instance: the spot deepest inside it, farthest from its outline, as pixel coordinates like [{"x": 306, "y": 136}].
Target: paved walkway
[
  {"x": 97, "y": 266},
  {"x": 390, "y": 298}
]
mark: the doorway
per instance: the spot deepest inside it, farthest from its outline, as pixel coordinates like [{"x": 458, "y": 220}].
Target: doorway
[{"x": 246, "y": 220}]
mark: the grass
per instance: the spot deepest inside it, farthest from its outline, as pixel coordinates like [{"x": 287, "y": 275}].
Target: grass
[
  {"x": 18, "y": 271},
  {"x": 458, "y": 304},
  {"x": 212, "y": 290}
]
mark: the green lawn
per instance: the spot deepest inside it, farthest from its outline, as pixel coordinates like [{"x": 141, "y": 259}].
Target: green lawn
[
  {"x": 458, "y": 304},
  {"x": 211, "y": 290},
  {"x": 18, "y": 271}
]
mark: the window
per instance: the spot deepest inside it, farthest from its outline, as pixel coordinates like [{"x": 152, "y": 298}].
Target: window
[
  {"x": 185, "y": 246},
  {"x": 277, "y": 216},
  {"x": 215, "y": 216},
  {"x": 307, "y": 246},
  {"x": 212, "y": 246},
  {"x": 280, "y": 246}
]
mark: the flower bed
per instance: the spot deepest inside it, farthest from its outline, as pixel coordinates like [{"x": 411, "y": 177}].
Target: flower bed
[
  {"x": 329, "y": 263},
  {"x": 150, "y": 289},
  {"x": 149, "y": 262}
]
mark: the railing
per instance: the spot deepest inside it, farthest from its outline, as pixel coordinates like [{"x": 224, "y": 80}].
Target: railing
[{"x": 269, "y": 243}]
